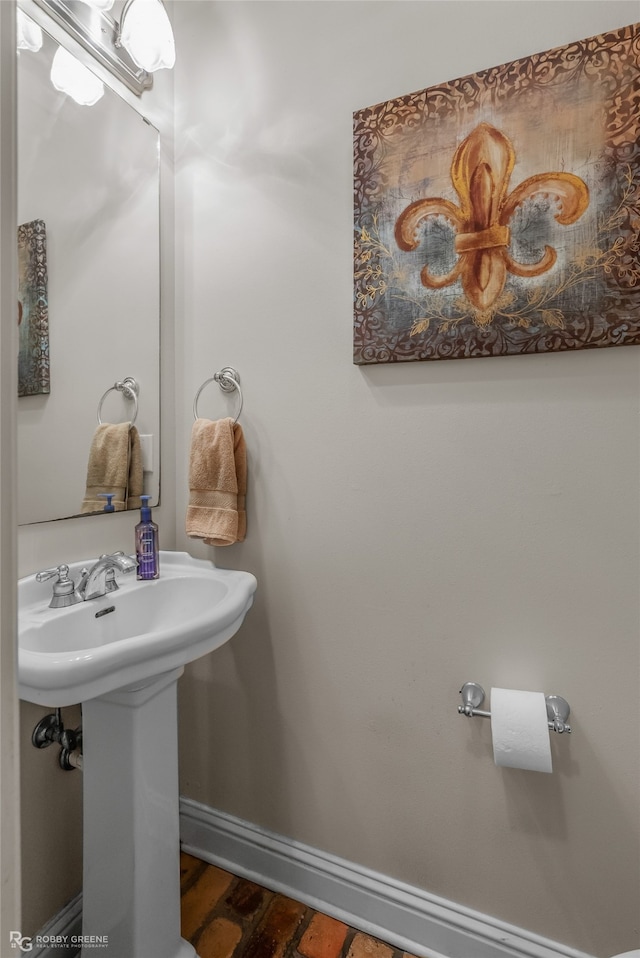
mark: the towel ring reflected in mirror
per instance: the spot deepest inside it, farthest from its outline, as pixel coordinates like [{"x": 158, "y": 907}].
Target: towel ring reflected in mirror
[
  {"x": 129, "y": 388},
  {"x": 228, "y": 379}
]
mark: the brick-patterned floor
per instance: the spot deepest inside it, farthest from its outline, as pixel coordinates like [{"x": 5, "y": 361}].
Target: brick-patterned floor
[{"x": 228, "y": 917}]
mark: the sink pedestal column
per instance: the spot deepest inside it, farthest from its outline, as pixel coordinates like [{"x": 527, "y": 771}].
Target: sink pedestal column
[{"x": 131, "y": 881}]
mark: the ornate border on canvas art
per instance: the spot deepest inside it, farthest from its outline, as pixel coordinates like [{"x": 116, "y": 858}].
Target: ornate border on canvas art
[{"x": 499, "y": 213}]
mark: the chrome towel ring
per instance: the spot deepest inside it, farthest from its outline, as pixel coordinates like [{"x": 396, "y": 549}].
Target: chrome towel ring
[
  {"x": 129, "y": 388},
  {"x": 228, "y": 379}
]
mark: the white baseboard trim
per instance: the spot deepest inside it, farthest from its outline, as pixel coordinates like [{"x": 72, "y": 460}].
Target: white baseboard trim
[
  {"x": 402, "y": 915},
  {"x": 63, "y": 928}
]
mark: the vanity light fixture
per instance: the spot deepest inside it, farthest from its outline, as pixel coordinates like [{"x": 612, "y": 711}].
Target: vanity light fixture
[
  {"x": 131, "y": 48},
  {"x": 70, "y": 76},
  {"x": 145, "y": 33},
  {"x": 29, "y": 33},
  {"x": 99, "y": 4}
]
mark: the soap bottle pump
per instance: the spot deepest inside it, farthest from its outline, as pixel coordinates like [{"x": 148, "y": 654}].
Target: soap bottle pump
[{"x": 147, "y": 543}]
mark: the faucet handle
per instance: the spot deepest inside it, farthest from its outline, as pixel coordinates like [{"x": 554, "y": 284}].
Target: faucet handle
[
  {"x": 62, "y": 571},
  {"x": 64, "y": 589}
]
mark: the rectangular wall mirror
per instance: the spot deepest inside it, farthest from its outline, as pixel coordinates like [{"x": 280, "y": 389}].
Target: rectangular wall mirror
[{"x": 91, "y": 175}]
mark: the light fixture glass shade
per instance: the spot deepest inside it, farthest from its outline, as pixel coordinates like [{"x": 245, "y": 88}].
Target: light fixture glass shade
[
  {"x": 99, "y": 4},
  {"x": 147, "y": 36},
  {"x": 29, "y": 33},
  {"x": 70, "y": 76}
]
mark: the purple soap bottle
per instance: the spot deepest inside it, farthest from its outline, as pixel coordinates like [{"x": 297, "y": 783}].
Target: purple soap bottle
[{"x": 147, "y": 543}]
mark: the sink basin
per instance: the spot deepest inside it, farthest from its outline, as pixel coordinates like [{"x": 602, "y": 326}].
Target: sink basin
[{"x": 67, "y": 656}]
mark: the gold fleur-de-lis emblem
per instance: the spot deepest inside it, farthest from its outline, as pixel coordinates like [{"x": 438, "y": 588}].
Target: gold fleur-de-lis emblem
[{"x": 480, "y": 173}]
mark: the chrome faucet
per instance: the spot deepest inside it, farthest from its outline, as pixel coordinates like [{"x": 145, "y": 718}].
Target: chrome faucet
[{"x": 101, "y": 577}]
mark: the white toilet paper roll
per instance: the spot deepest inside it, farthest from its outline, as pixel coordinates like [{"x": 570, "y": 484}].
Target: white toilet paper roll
[{"x": 520, "y": 731}]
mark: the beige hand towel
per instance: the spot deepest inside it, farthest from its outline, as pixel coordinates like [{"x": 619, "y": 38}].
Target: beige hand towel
[
  {"x": 217, "y": 482},
  {"x": 115, "y": 466}
]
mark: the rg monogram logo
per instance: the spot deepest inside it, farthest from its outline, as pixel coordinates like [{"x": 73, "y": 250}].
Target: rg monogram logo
[{"x": 20, "y": 941}]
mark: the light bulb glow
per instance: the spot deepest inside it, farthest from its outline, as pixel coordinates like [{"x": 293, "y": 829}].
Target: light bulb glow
[
  {"x": 147, "y": 35},
  {"x": 29, "y": 33},
  {"x": 70, "y": 76}
]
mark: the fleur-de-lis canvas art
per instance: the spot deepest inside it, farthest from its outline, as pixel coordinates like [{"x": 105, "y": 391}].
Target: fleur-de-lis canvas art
[{"x": 499, "y": 213}]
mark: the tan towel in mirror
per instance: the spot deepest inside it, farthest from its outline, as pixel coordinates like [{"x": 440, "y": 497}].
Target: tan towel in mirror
[
  {"x": 216, "y": 511},
  {"x": 115, "y": 466}
]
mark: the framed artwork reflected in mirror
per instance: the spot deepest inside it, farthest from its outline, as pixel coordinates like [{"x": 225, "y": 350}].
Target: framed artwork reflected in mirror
[{"x": 33, "y": 310}]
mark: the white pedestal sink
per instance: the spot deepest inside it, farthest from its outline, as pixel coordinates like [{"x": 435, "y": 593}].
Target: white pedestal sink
[{"x": 121, "y": 656}]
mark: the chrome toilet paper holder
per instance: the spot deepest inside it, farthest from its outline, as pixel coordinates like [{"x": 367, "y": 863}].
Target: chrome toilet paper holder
[{"x": 558, "y": 709}]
